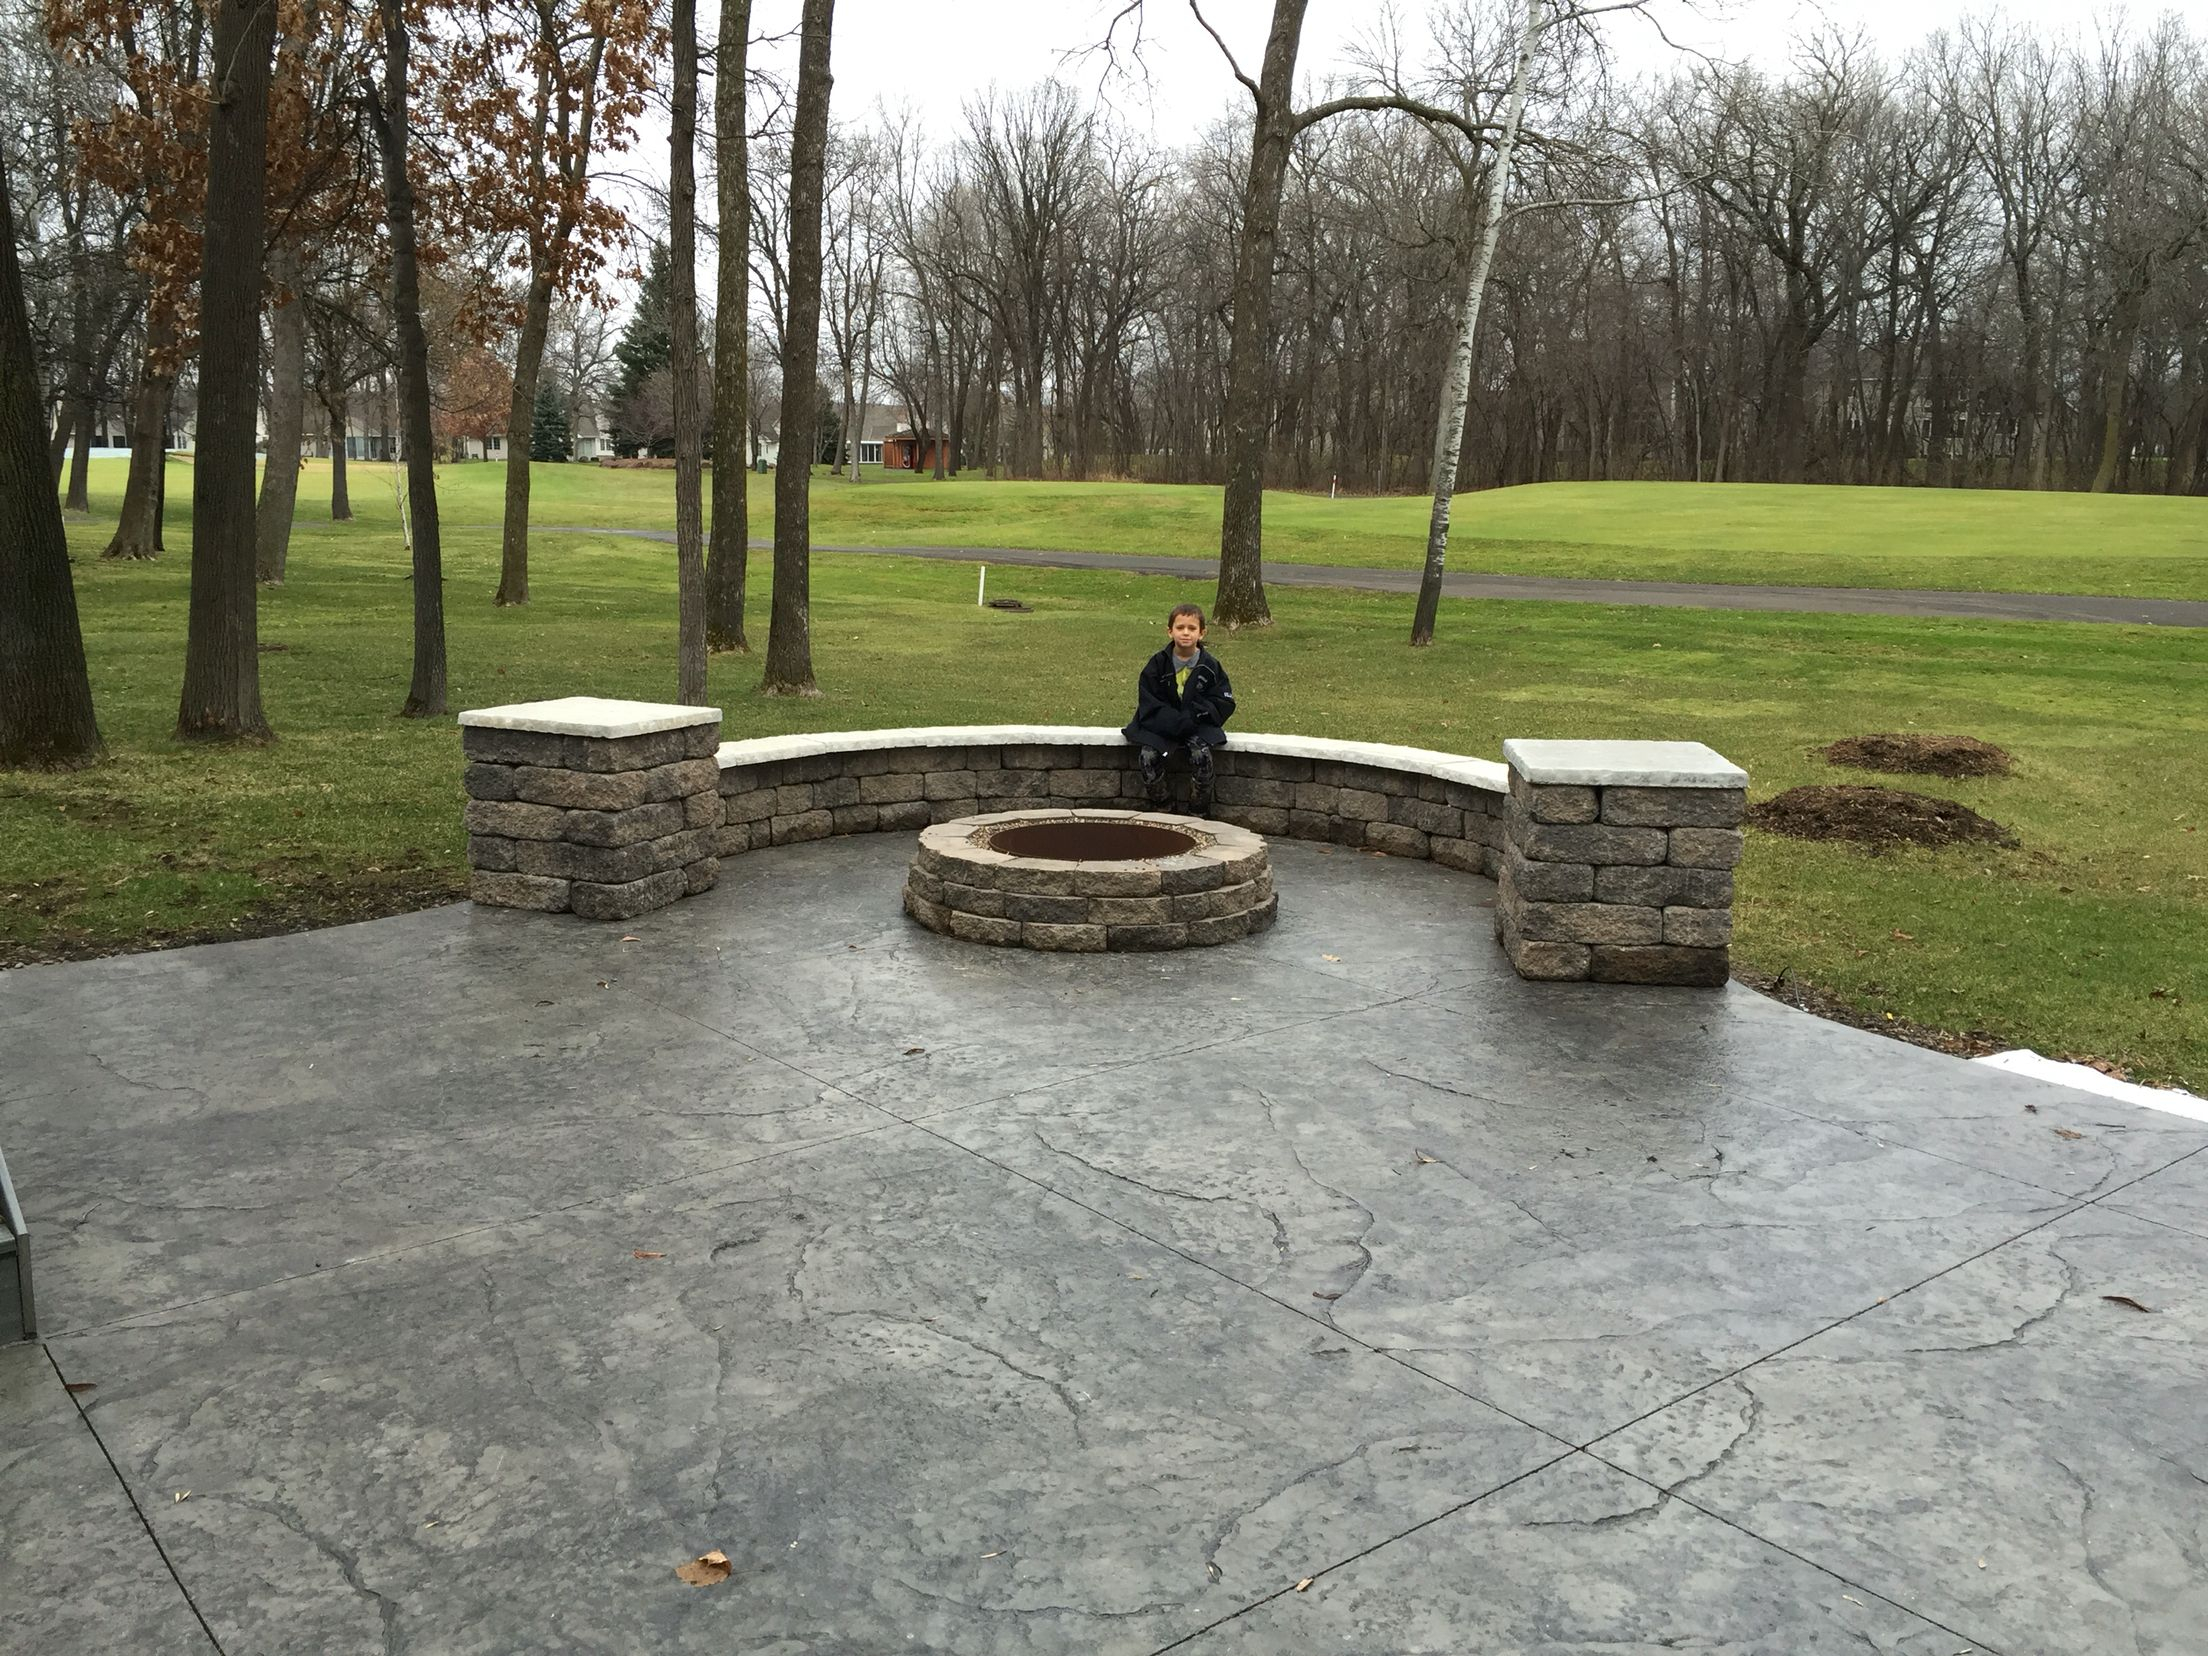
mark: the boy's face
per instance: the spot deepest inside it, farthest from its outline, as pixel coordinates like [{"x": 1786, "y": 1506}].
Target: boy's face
[{"x": 1187, "y": 633}]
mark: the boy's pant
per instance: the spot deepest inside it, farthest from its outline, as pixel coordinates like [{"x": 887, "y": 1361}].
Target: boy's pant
[{"x": 1200, "y": 772}]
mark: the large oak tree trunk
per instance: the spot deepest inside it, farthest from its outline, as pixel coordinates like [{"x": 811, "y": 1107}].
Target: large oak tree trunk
[
  {"x": 287, "y": 416},
  {"x": 222, "y": 670},
  {"x": 138, "y": 531},
  {"x": 1240, "y": 601},
  {"x": 683, "y": 362},
  {"x": 789, "y": 629},
  {"x": 728, "y": 556},
  {"x": 45, "y": 694},
  {"x": 425, "y": 696}
]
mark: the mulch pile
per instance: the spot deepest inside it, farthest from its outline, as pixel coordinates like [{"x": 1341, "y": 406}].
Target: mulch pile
[
  {"x": 1919, "y": 755},
  {"x": 1876, "y": 817}
]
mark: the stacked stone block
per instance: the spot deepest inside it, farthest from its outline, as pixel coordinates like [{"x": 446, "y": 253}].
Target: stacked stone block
[
  {"x": 604, "y": 809},
  {"x": 1371, "y": 807},
  {"x": 1618, "y": 862},
  {"x": 1220, "y": 890}
]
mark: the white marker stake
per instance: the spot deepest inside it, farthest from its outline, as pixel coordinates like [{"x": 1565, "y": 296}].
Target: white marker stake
[{"x": 981, "y": 592}]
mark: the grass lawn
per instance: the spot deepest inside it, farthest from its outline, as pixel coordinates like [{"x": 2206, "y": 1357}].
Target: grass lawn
[
  {"x": 2089, "y": 939},
  {"x": 1757, "y": 534}
]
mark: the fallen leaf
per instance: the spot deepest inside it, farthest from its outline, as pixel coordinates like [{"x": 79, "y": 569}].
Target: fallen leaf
[
  {"x": 641, "y": 1253},
  {"x": 632, "y": 939},
  {"x": 2031, "y": 1109},
  {"x": 544, "y": 1003},
  {"x": 705, "y": 1570},
  {"x": 914, "y": 1052},
  {"x": 1337, "y": 959},
  {"x": 605, "y": 983},
  {"x": 1851, "y": 1598},
  {"x": 2064, "y": 1132},
  {"x": 185, "y": 1494},
  {"x": 997, "y": 1554},
  {"x": 1305, "y": 1584},
  {"x": 1904, "y": 937},
  {"x": 1424, "y": 1160},
  {"x": 1322, "y": 1294},
  {"x": 2126, "y": 1299},
  {"x": 75, "y": 1386},
  {"x": 1212, "y": 1571}
]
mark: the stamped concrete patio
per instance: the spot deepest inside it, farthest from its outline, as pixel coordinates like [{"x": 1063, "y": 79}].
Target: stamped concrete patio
[{"x": 441, "y": 1283}]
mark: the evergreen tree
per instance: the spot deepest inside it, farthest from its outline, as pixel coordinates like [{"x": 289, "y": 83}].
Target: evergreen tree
[
  {"x": 647, "y": 347},
  {"x": 549, "y": 438}
]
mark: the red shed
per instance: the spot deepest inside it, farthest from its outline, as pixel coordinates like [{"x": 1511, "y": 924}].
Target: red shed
[{"x": 908, "y": 450}]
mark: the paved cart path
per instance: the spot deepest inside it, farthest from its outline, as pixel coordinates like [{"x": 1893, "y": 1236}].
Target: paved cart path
[{"x": 1967, "y": 606}]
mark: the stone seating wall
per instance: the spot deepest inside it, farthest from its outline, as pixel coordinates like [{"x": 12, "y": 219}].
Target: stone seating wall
[{"x": 1407, "y": 802}]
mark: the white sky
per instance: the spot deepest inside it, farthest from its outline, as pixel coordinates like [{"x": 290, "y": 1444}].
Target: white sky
[{"x": 933, "y": 54}]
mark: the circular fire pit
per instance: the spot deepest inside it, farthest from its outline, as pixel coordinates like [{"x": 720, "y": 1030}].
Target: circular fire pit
[{"x": 1090, "y": 880}]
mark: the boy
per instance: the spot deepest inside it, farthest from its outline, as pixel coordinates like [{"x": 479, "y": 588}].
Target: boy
[{"x": 1182, "y": 700}]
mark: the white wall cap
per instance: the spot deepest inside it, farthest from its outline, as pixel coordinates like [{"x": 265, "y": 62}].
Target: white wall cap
[
  {"x": 1448, "y": 767},
  {"x": 1623, "y": 764},
  {"x": 590, "y": 716}
]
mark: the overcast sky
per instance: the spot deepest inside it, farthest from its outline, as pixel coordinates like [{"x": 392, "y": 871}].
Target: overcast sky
[{"x": 932, "y": 54}]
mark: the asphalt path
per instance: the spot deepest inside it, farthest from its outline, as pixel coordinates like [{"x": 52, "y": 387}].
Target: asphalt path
[{"x": 1967, "y": 606}]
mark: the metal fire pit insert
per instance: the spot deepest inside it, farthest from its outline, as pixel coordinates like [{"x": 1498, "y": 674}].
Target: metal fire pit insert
[{"x": 1090, "y": 880}]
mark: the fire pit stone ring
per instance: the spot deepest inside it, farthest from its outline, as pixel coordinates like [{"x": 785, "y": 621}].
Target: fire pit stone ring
[{"x": 1090, "y": 880}]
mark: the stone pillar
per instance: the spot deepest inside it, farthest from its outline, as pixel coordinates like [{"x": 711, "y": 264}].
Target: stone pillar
[
  {"x": 1617, "y": 862},
  {"x": 608, "y": 809}
]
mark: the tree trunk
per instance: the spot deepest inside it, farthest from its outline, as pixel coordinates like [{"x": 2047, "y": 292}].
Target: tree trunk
[
  {"x": 222, "y": 664},
  {"x": 683, "y": 363},
  {"x": 728, "y": 557},
  {"x": 80, "y": 465},
  {"x": 2115, "y": 379},
  {"x": 138, "y": 531},
  {"x": 341, "y": 500},
  {"x": 1456, "y": 390},
  {"x": 46, "y": 717},
  {"x": 521, "y": 413},
  {"x": 425, "y": 696},
  {"x": 1240, "y": 600},
  {"x": 287, "y": 416},
  {"x": 789, "y": 632}
]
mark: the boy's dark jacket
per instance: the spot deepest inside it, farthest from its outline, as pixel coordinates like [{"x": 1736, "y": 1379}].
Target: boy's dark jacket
[{"x": 1167, "y": 717}]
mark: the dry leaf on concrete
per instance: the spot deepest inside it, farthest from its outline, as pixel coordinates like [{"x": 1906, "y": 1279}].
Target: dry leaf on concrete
[
  {"x": 2064, "y": 1132},
  {"x": 644, "y": 1253},
  {"x": 1305, "y": 1584},
  {"x": 1424, "y": 1160},
  {"x": 2126, "y": 1299},
  {"x": 705, "y": 1570},
  {"x": 914, "y": 1052}
]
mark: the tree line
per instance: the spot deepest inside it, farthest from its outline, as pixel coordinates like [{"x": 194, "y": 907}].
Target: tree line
[{"x": 1475, "y": 259}]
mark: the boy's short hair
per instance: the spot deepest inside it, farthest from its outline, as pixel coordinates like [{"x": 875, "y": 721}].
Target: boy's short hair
[{"x": 1197, "y": 610}]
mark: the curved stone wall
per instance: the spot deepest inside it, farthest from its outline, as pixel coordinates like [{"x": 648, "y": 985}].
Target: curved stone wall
[{"x": 1407, "y": 802}]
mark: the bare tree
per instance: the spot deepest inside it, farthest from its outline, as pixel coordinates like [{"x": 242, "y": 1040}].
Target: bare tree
[
  {"x": 729, "y": 555},
  {"x": 45, "y": 693},
  {"x": 222, "y": 668},
  {"x": 684, "y": 365},
  {"x": 789, "y": 630},
  {"x": 390, "y": 114}
]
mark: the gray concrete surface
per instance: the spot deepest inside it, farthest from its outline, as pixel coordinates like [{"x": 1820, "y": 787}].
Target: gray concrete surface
[
  {"x": 1965, "y": 606},
  {"x": 466, "y": 1272}
]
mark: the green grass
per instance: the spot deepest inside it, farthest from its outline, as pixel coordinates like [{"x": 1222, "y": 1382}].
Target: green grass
[
  {"x": 1758, "y": 534},
  {"x": 2061, "y": 944}
]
